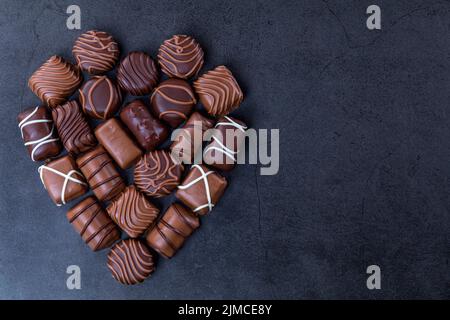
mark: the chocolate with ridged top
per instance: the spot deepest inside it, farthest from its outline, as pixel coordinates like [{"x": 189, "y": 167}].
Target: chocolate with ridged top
[
  {"x": 39, "y": 133},
  {"x": 173, "y": 101},
  {"x": 55, "y": 81},
  {"x": 93, "y": 224},
  {"x": 137, "y": 73},
  {"x": 96, "y": 52},
  {"x": 113, "y": 137},
  {"x": 156, "y": 174},
  {"x": 100, "y": 97},
  {"x": 75, "y": 133},
  {"x": 101, "y": 174},
  {"x": 132, "y": 212},
  {"x": 172, "y": 230},
  {"x": 149, "y": 132},
  {"x": 130, "y": 262},
  {"x": 180, "y": 57},
  {"x": 219, "y": 91}
]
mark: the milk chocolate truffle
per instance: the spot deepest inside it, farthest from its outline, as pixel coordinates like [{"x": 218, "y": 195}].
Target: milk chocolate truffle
[
  {"x": 96, "y": 52},
  {"x": 148, "y": 131},
  {"x": 156, "y": 174},
  {"x": 184, "y": 146},
  {"x": 39, "y": 133},
  {"x": 93, "y": 224},
  {"x": 137, "y": 73},
  {"x": 130, "y": 262},
  {"x": 172, "y": 230},
  {"x": 226, "y": 141},
  {"x": 101, "y": 174},
  {"x": 62, "y": 180},
  {"x": 100, "y": 97},
  {"x": 118, "y": 143},
  {"x": 73, "y": 128},
  {"x": 132, "y": 212},
  {"x": 201, "y": 189},
  {"x": 180, "y": 57},
  {"x": 55, "y": 81},
  {"x": 218, "y": 91},
  {"x": 173, "y": 101}
]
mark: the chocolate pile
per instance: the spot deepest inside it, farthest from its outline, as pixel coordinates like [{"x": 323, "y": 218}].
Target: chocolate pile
[{"x": 133, "y": 138}]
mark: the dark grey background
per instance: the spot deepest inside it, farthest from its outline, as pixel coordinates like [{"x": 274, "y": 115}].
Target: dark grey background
[{"x": 365, "y": 151}]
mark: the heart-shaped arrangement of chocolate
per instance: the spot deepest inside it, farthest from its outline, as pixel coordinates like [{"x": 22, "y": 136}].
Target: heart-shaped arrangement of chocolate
[{"x": 134, "y": 138}]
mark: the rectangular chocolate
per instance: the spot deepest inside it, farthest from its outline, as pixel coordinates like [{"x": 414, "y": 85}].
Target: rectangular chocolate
[{"x": 113, "y": 137}]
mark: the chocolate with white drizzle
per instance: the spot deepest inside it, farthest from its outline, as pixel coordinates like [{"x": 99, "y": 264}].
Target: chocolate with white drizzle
[
  {"x": 62, "y": 180},
  {"x": 201, "y": 189},
  {"x": 221, "y": 153},
  {"x": 39, "y": 133}
]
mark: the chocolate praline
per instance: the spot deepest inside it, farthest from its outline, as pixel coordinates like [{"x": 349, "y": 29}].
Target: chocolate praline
[{"x": 100, "y": 97}]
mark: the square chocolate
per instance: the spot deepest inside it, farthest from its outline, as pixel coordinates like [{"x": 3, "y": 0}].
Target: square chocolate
[
  {"x": 62, "y": 180},
  {"x": 55, "y": 81},
  {"x": 112, "y": 135},
  {"x": 201, "y": 189}
]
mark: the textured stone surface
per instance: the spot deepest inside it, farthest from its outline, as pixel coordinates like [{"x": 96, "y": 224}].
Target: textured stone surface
[{"x": 364, "y": 176}]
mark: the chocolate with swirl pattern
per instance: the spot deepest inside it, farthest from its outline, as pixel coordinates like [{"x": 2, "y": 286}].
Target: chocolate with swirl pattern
[
  {"x": 137, "y": 73},
  {"x": 156, "y": 174},
  {"x": 219, "y": 91},
  {"x": 93, "y": 224},
  {"x": 180, "y": 57},
  {"x": 132, "y": 212},
  {"x": 73, "y": 128},
  {"x": 101, "y": 174},
  {"x": 96, "y": 52},
  {"x": 55, "y": 81},
  {"x": 130, "y": 262},
  {"x": 172, "y": 230}
]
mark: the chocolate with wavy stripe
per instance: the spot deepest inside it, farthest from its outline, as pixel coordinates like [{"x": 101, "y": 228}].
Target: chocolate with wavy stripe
[
  {"x": 173, "y": 101},
  {"x": 130, "y": 262},
  {"x": 219, "y": 91},
  {"x": 156, "y": 174},
  {"x": 180, "y": 57},
  {"x": 55, "y": 81},
  {"x": 93, "y": 224},
  {"x": 137, "y": 73},
  {"x": 172, "y": 230},
  {"x": 132, "y": 212},
  {"x": 73, "y": 129},
  {"x": 96, "y": 52},
  {"x": 101, "y": 174}
]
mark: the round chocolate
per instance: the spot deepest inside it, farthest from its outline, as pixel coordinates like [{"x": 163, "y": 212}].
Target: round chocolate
[
  {"x": 130, "y": 261},
  {"x": 96, "y": 52},
  {"x": 156, "y": 174},
  {"x": 180, "y": 57},
  {"x": 100, "y": 97},
  {"x": 137, "y": 73},
  {"x": 173, "y": 101}
]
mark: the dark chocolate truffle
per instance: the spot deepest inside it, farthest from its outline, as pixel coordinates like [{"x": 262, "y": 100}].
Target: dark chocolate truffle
[
  {"x": 55, "y": 81},
  {"x": 149, "y": 131},
  {"x": 96, "y": 52},
  {"x": 219, "y": 91},
  {"x": 101, "y": 174},
  {"x": 130, "y": 261},
  {"x": 93, "y": 224},
  {"x": 39, "y": 133},
  {"x": 100, "y": 97},
  {"x": 137, "y": 73},
  {"x": 172, "y": 230},
  {"x": 156, "y": 174},
  {"x": 132, "y": 212},
  {"x": 73, "y": 128},
  {"x": 180, "y": 57},
  {"x": 173, "y": 101}
]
